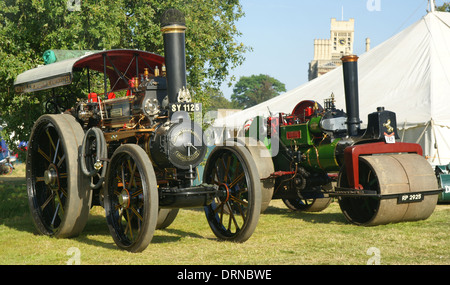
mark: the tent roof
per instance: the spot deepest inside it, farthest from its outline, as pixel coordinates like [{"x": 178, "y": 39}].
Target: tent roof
[
  {"x": 408, "y": 74},
  {"x": 61, "y": 73}
]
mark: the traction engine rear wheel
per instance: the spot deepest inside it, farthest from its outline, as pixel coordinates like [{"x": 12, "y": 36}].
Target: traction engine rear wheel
[
  {"x": 58, "y": 193},
  {"x": 235, "y": 211},
  {"x": 131, "y": 198}
]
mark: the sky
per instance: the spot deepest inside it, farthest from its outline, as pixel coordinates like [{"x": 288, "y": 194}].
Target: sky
[{"x": 282, "y": 32}]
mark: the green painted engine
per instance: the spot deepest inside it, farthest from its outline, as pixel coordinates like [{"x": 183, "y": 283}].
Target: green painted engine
[{"x": 318, "y": 153}]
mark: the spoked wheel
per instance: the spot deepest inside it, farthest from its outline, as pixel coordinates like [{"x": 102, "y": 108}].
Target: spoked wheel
[
  {"x": 131, "y": 198},
  {"x": 56, "y": 105},
  {"x": 58, "y": 193},
  {"x": 234, "y": 213}
]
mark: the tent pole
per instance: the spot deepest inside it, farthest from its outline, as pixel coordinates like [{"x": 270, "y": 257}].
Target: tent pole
[
  {"x": 404, "y": 131},
  {"x": 421, "y": 135},
  {"x": 435, "y": 140}
]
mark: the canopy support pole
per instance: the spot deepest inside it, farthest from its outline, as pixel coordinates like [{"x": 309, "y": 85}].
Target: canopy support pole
[
  {"x": 104, "y": 77},
  {"x": 88, "y": 80},
  {"x": 136, "y": 56}
]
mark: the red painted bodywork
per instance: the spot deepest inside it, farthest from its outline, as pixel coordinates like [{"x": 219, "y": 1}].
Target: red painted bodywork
[{"x": 352, "y": 153}]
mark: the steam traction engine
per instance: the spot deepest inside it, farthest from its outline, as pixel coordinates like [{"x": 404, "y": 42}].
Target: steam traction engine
[
  {"x": 378, "y": 180},
  {"x": 135, "y": 155}
]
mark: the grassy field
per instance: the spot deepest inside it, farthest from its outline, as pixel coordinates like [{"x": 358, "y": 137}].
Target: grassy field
[{"x": 281, "y": 238}]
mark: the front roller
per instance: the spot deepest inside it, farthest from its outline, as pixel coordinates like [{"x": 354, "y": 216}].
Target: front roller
[
  {"x": 396, "y": 188},
  {"x": 235, "y": 211}
]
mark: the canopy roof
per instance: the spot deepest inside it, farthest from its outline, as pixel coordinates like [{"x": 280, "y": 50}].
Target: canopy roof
[{"x": 121, "y": 65}]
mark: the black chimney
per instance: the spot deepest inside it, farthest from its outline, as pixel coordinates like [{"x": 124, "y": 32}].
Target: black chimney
[
  {"x": 173, "y": 27},
  {"x": 350, "y": 68}
]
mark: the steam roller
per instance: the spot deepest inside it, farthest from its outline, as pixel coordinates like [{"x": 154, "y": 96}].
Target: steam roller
[
  {"x": 319, "y": 153},
  {"x": 396, "y": 186}
]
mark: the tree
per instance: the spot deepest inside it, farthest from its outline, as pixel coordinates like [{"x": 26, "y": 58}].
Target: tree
[
  {"x": 28, "y": 28},
  {"x": 444, "y": 7},
  {"x": 252, "y": 90},
  {"x": 218, "y": 101}
]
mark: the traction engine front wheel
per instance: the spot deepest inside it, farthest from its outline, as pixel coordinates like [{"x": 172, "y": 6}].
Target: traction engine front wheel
[
  {"x": 235, "y": 211},
  {"x": 131, "y": 198}
]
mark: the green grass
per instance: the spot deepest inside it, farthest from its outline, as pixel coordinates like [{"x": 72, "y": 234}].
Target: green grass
[{"x": 282, "y": 237}]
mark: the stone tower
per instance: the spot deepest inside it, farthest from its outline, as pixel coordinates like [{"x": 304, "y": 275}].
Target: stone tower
[{"x": 327, "y": 52}]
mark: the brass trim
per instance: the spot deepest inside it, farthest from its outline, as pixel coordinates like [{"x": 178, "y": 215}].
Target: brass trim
[
  {"x": 388, "y": 126},
  {"x": 173, "y": 29},
  {"x": 349, "y": 58}
]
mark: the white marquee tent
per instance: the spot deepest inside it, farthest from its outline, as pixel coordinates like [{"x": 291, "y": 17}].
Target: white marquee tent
[{"x": 408, "y": 74}]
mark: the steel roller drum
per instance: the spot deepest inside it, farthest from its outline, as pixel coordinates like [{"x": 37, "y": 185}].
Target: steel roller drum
[{"x": 388, "y": 175}]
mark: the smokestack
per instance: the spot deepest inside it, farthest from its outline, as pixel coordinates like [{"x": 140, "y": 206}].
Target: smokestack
[
  {"x": 173, "y": 27},
  {"x": 350, "y": 68}
]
